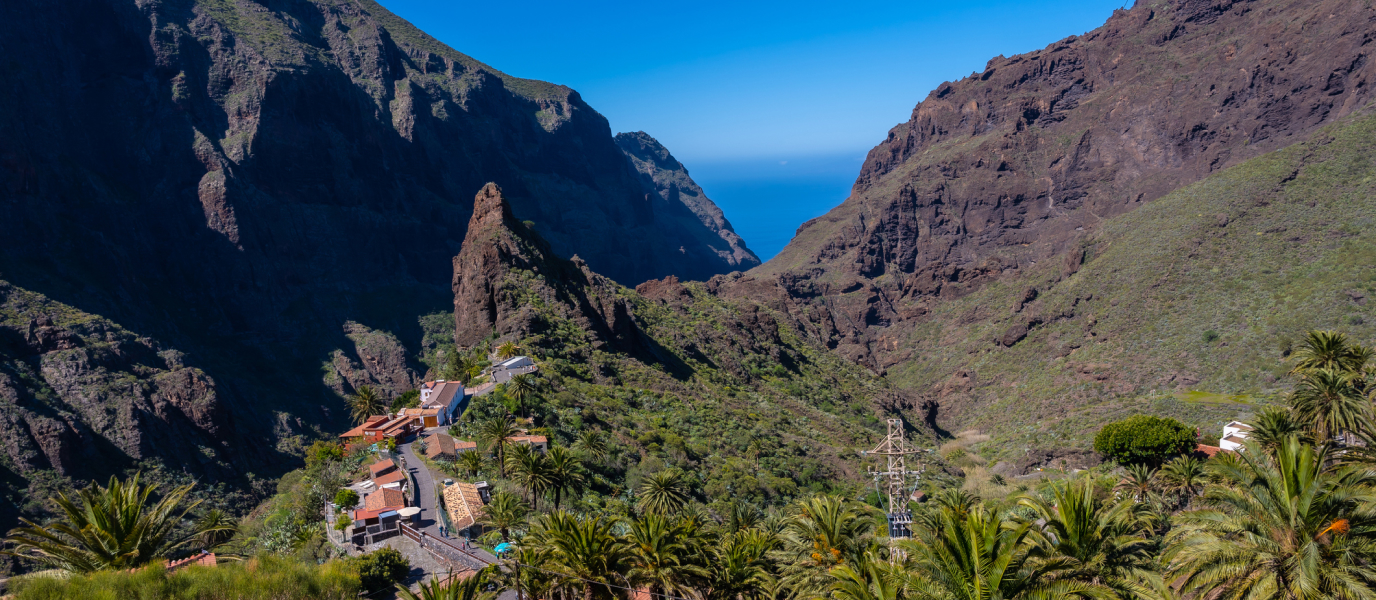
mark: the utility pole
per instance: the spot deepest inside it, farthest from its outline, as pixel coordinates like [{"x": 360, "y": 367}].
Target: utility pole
[{"x": 895, "y": 476}]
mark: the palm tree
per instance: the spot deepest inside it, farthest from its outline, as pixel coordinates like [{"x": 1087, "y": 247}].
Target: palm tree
[
  {"x": 1138, "y": 481},
  {"x": 566, "y": 472},
  {"x": 529, "y": 468},
  {"x": 113, "y": 527},
  {"x": 471, "y": 463},
  {"x": 1183, "y": 477},
  {"x": 1330, "y": 350},
  {"x": 1278, "y": 527},
  {"x": 522, "y": 387},
  {"x": 593, "y": 443},
  {"x": 1330, "y": 404},
  {"x": 742, "y": 515},
  {"x": 659, "y": 555},
  {"x": 825, "y": 532},
  {"x": 738, "y": 567},
  {"x": 460, "y": 366},
  {"x": 508, "y": 350},
  {"x": 217, "y": 528},
  {"x": 1274, "y": 425},
  {"x": 1092, "y": 540},
  {"x": 956, "y": 499},
  {"x": 539, "y": 581},
  {"x": 584, "y": 548},
  {"x": 981, "y": 555},
  {"x": 663, "y": 493},
  {"x": 452, "y": 588},
  {"x": 871, "y": 579},
  {"x": 496, "y": 432},
  {"x": 365, "y": 403},
  {"x": 505, "y": 511}
]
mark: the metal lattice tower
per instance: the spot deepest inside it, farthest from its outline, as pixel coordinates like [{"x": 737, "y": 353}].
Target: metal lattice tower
[{"x": 895, "y": 477}]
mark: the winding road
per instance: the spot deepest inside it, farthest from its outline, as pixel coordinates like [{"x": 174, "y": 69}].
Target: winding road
[{"x": 424, "y": 496}]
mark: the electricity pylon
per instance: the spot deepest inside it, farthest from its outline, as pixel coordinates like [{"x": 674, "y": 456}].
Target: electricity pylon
[{"x": 895, "y": 449}]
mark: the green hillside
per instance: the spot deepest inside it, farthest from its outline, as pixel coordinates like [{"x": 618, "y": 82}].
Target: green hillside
[{"x": 1186, "y": 306}]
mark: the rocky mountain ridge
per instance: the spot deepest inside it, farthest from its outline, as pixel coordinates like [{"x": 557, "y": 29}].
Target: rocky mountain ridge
[
  {"x": 1016, "y": 165},
  {"x": 272, "y": 191}
]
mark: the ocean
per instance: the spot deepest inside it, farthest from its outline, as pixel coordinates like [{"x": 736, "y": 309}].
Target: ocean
[{"x": 766, "y": 199}]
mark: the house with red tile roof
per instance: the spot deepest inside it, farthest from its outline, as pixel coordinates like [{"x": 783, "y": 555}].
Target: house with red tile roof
[
  {"x": 395, "y": 479},
  {"x": 385, "y": 498},
  {"x": 427, "y": 417},
  {"x": 381, "y": 467},
  {"x": 1206, "y": 450},
  {"x": 444, "y": 397},
  {"x": 540, "y": 442},
  {"x": 381, "y": 427}
]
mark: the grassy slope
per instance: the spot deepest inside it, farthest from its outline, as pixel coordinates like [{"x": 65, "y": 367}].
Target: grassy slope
[{"x": 1297, "y": 239}]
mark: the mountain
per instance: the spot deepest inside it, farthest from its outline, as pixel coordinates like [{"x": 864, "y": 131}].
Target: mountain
[
  {"x": 670, "y": 179},
  {"x": 217, "y": 216},
  {"x": 1015, "y": 165},
  {"x": 1096, "y": 229},
  {"x": 731, "y": 390}
]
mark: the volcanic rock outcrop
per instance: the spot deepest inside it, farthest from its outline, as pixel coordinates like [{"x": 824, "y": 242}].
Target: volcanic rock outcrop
[{"x": 508, "y": 281}]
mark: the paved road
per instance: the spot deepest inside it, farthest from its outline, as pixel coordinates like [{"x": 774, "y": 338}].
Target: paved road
[
  {"x": 424, "y": 494},
  {"x": 429, "y": 523}
]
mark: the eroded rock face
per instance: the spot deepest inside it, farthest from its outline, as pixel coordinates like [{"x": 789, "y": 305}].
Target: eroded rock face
[
  {"x": 509, "y": 281},
  {"x": 1018, "y": 163},
  {"x": 377, "y": 360},
  {"x": 84, "y": 397},
  {"x": 245, "y": 181},
  {"x": 672, "y": 185}
]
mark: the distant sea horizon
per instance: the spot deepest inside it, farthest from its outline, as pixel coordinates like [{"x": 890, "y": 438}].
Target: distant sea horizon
[{"x": 766, "y": 199}]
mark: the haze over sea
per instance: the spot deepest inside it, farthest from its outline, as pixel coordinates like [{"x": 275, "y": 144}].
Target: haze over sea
[{"x": 771, "y": 105}]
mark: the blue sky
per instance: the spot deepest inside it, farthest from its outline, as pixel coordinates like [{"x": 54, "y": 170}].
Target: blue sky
[{"x": 736, "y": 90}]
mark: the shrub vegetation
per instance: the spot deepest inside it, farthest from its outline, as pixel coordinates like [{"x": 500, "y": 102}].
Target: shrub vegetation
[{"x": 1144, "y": 439}]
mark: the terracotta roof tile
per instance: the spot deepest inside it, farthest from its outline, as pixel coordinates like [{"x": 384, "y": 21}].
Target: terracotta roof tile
[
  {"x": 384, "y": 499},
  {"x": 204, "y": 559},
  {"x": 465, "y": 505},
  {"x": 392, "y": 477}
]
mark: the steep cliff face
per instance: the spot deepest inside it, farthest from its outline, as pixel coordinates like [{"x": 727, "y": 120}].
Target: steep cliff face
[
  {"x": 276, "y": 188},
  {"x": 82, "y": 397},
  {"x": 670, "y": 180},
  {"x": 509, "y": 281},
  {"x": 1012, "y": 166}
]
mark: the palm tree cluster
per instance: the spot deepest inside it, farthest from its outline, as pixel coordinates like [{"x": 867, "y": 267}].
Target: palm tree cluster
[
  {"x": 542, "y": 474},
  {"x": 1334, "y": 387},
  {"x": 1291, "y": 523},
  {"x": 1290, "y": 517}
]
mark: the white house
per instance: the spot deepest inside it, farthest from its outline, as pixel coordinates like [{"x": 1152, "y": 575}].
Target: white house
[
  {"x": 1234, "y": 435},
  {"x": 444, "y": 396},
  {"x": 502, "y": 372}
]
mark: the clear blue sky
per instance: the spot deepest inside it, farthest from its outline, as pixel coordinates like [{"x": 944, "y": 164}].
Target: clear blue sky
[{"x": 728, "y": 85}]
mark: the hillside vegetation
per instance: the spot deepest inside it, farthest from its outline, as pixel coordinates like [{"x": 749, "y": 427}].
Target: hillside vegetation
[{"x": 1186, "y": 306}]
